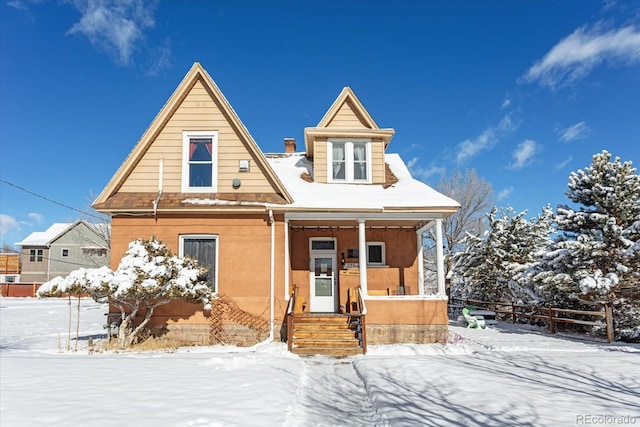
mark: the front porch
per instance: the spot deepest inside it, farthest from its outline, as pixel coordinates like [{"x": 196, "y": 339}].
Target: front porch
[{"x": 380, "y": 258}]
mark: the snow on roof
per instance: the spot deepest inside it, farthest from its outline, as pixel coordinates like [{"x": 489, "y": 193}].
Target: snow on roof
[
  {"x": 406, "y": 193},
  {"x": 42, "y": 238}
]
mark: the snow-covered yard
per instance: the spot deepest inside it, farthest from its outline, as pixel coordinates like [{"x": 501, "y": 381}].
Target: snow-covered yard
[{"x": 507, "y": 375}]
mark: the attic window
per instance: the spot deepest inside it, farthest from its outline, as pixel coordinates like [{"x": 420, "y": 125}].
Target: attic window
[
  {"x": 199, "y": 161},
  {"x": 349, "y": 160}
]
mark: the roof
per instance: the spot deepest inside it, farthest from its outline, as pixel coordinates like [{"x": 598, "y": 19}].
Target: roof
[
  {"x": 42, "y": 238},
  {"x": 407, "y": 193},
  {"x": 367, "y": 127},
  {"x": 196, "y": 74}
]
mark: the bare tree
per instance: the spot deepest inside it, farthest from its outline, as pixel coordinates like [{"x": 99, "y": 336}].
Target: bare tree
[{"x": 475, "y": 196}]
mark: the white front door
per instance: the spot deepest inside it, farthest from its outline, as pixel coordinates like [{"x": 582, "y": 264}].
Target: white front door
[{"x": 323, "y": 282}]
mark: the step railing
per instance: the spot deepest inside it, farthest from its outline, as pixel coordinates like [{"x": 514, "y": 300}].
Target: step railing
[
  {"x": 357, "y": 311},
  {"x": 290, "y": 316}
]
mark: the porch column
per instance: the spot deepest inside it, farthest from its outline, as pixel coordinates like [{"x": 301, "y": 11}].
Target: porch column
[
  {"x": 287, "y": 265},
  {"x": 420, "y": 256},
  {"x": 362, "y": 255},
  {"x": 440, "y": 258}
]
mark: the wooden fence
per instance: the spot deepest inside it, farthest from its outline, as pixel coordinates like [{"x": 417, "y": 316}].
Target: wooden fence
[
  {"x": 19, "y": 289},
  {"x": 551, "y": 315}
]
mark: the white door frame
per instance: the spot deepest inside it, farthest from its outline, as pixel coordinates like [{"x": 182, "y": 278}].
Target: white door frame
[{"x": 323, "y": 303}]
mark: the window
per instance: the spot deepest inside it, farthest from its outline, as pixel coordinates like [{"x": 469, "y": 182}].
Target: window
[
  {"x": 349, "y": 160},
  {"x": 199, "y": 158},
  {"x": 376, "y": 253},
  {"x": 36, "y": 255},
  {"x": 204, "y": 249},
  {"x": 323, "y": 245},
  {"x": 65, "y": 252}
]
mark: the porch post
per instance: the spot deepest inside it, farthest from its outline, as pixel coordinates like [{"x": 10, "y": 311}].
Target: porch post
[
  {"x": 362, "y": 255},
  {"x": 420, "y": 257},
  {"x": 286, "y": 259},
  {"x": 440, "y": 258}
]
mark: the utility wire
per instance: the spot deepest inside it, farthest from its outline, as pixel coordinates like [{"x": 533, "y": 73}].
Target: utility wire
[{"x": 51, "y": 200}]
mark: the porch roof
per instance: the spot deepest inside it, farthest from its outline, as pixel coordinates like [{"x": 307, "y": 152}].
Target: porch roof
[{"x": 406, "y": 195}]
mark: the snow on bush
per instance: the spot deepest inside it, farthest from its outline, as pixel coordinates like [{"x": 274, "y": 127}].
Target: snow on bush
[
  {"x": 148, "y": 276},
  {"x": 598, "y": 284}
]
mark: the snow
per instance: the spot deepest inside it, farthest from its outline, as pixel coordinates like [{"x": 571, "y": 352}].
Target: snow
[
  {"x": 406, "y": 193},
  {"x": 41, "y": 238},
  {"x": 507, "y": 375}
]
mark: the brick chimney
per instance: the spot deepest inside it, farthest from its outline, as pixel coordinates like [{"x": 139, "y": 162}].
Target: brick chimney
[{"x": 289, "y": 145}]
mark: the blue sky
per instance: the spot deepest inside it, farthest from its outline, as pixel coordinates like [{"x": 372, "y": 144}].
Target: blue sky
[{"x": 524, "y": 92}]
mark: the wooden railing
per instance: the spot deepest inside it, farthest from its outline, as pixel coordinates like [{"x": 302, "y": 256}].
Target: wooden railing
[
  {"x": 357, "y": 310},
  {"x": 551, "y": 315},
  {"x": 290, "y": 316}
]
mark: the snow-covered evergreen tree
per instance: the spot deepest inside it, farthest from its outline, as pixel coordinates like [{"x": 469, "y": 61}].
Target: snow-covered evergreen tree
[
  {"x": 596, "y": 256},
  {"x": 148, "y": 276},
  {"x": 493, "y": 264}
]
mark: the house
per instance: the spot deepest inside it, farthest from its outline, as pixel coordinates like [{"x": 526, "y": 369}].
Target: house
[
  {"x": 333, "y": 229},
  {"x": 62, "y": 248}
]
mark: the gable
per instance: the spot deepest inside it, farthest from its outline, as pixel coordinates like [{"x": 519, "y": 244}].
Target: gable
[
  {"x": 156, "y": 163},
  {"x": 347, "y": 116},
  {"x": 347, "y": 121}
]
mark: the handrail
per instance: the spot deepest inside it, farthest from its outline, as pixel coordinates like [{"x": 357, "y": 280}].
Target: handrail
[
  {"x": 362, "y": 308},
  {"x": 290, "y": 316}
]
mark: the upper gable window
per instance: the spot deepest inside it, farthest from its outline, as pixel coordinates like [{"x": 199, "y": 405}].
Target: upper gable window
[
  {"x": 349, "y": 160},
  {"x": 199, "y": 161}
]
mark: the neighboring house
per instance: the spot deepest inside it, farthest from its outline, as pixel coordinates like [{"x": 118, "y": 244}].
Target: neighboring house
[
  {"x": 343, "y": 214},
  {"x": 62, "y": 248}
]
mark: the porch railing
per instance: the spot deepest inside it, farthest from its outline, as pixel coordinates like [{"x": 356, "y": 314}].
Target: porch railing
[
  {"x": 357, "y": 310},
  {"x": 290, "y": 316}
]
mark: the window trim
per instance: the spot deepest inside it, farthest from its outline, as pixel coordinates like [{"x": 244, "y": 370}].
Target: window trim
[
  {"x": 183, "y": 237},
  {"x": 186, "y": 138},
  {"x": 384, "y": 254},
  {"x": 349, "y": 160}
]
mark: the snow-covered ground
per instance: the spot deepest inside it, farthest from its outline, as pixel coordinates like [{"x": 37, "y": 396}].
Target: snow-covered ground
[{"x": 505, "y": 376}]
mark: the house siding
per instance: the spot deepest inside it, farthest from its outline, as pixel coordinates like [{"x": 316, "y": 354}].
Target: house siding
[
  {"x": 77, "y": 238},
  {"x": 34, "y": 271},
  {"x": 346, "y": 118},
  {"x": 197, "y": 112},
  {"x": 244, "y": 258}
]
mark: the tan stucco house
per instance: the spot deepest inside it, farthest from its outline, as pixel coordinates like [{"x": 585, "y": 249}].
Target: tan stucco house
[{"x": 329, "y": 233}]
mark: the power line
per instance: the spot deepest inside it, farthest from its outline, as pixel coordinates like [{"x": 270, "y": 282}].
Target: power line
[{"x": 51, "y": 200}]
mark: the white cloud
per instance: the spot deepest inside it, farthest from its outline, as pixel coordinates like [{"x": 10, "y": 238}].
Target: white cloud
[
  {"x": 114, "y": 26},
  {"x": 578, "y": 131},
  {"x": 469, "y": 148},
  {"x": 523, "y": 154},
  {"x": 564, "y": 163},
  {"x": 7, "y": 224},
  {"x": 38, "y": 218},
  {"x": 577, "y": 54},
  {"x": 421, "y": 173},
  {"x": 505, "y": 103},
  {"x": 504, "y": 193}
]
